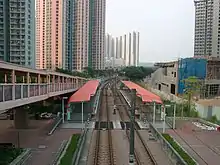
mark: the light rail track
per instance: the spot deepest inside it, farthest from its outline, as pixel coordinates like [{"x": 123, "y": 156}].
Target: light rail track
[
  {"x": 104, "y": 148},
  {"x": 139, "y": 142}
]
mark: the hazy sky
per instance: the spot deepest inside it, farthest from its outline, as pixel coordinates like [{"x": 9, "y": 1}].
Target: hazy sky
[{"x": 166, "y": 26}]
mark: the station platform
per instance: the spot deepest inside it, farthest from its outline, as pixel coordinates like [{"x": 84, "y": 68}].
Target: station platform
[{"x": 142, "y": 125}]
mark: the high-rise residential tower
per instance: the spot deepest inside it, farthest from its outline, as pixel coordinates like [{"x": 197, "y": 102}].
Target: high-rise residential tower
[
  {"x": 117, "y": 48},
  {"x": 109, "y": 47},
  {"x": 49, "y": 34},
  {"x": 125, "y": 48},
  {"x": 89, "y": 31},
  {"x": 207, "y": 28},
  {"x": 81, "y": 31},
  {"x": 120, "y": 47},
  {"x": 68, "y": 34},
  {"x": 130, "y": 48},
  {"x": 97, "y": 33},
  {"x": 17, "y": 32}
]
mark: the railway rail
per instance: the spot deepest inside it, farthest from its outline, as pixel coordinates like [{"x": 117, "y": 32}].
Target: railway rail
[
  {"x": 139, "y": 142},
  {"x": 104, "y": 148}
]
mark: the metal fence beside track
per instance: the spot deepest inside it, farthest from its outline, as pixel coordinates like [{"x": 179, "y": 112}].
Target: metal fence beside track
[
  {"x": 172, "y": 153},
  {"x": 21, "y": 158}
]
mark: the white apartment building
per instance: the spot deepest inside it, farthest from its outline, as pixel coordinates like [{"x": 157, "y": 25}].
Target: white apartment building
[
  {"x": 207, "y": 28},
  {"x": 125, "y": 47}
]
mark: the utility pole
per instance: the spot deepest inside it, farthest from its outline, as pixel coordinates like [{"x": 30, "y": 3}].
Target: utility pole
[
  {"x": 164, "y": 119},
  {"x": 133, "y": 105}
]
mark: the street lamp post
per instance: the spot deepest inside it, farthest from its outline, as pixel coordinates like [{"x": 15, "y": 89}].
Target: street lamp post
[
  {"x": 154, "y": 112},
  {"x": 164, "y": 117}
]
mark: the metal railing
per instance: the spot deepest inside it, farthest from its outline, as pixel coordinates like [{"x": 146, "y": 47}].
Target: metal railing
[
  {"x": 55, "y": 124},
  {"x": 172, "y": 153},
  {"x": 79, "y": 147},
  {"x": 21, "y": 158},
  {"x": 16, "y": 91},
  {"x": 60, "y": 152}
]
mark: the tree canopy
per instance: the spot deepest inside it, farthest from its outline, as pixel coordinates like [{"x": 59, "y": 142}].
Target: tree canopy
[
  {"x": 136, "y": 73},
  {"x": 192, "y": 87},
  {"x": 87, "y": 72}
]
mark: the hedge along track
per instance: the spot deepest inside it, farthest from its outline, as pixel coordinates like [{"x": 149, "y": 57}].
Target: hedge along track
[
  {"x": 104, "y": 148},
  {"x": 138, "y": 139}
]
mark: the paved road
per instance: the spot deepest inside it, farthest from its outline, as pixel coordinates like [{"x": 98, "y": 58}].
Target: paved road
[
  {"x": 36, "y": 138},
  {"x": 204, "y": 146},
  {"x": 45, "y": 156}
]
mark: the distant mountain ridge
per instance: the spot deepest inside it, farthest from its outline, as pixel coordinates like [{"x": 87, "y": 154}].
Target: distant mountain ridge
[{"x": 146, "y": 64}]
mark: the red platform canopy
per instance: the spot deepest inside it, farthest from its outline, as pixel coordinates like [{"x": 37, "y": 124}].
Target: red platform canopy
[
  {"x": 145, "y": 95},
  {"x": 85, "y": 92}
]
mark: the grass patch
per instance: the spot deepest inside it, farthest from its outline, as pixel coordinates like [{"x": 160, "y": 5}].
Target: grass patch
[
  {"x": 67, "y": 158},
  {"x": 7, "y": 155},
  {"x": 179, "y": 150}
]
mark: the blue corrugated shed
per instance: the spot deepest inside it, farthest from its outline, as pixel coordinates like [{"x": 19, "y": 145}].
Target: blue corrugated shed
[{"x": 190, "y": 67}]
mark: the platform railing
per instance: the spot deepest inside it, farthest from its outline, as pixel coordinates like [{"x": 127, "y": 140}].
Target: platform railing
[{"x": 17, "y": 91}]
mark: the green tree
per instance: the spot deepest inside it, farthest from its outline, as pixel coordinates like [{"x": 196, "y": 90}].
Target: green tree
[
  {"x": 192, "y": 87},
  {"x": 89, "y": 71},
  {"x": 136, "y": 73},
  {"x": 73, "y": 73}
]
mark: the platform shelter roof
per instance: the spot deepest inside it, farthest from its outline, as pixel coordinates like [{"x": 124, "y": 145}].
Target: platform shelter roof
[
  {"x": 85, "y": 92},
  {"x": 144, "y": 94}
]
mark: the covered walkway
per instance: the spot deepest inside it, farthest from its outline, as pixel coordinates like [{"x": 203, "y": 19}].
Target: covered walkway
[
  {"x": 83, "y": 97},
  {"x": 145, "y": 95}
]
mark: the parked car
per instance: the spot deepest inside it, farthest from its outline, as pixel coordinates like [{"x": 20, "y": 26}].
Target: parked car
[
  {"x": 46, "y": 115},
  {"x": 4, "y": 116}
]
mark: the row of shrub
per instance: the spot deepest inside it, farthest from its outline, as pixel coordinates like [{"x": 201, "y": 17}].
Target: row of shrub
[
  {"x": 68, "y": 156},
  {"x": 7, "y": 155},
  {"x": 180, "y": 151}
]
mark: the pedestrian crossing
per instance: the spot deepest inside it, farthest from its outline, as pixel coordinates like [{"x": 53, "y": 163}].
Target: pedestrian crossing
[{"x": 115, "y": 125}]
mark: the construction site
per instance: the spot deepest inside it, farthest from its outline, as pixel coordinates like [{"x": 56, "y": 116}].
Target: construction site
[{"x": 169, "y": 78}]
